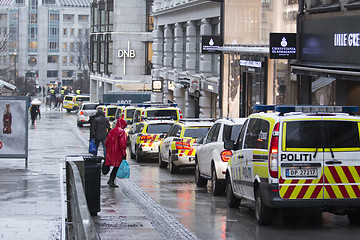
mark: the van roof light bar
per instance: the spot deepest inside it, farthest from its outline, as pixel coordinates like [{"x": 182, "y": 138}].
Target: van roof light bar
[
  {"x": 197, "y": 120},
  {"x": 306, "y": 108},
  {"x": 264, "y": 108},
  {"x": 157, "y": 105},
  {"x": 160, "y": 118}
]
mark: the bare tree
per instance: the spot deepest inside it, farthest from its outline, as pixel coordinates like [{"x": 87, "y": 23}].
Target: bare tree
[{"x": 82, "y": 55}]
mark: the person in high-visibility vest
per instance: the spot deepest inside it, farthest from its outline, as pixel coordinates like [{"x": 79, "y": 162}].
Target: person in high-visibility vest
[
  {"x": 62, "y": 92},
  {"x": 52, "y": 91},
  {"x": 78, "y": 91}
]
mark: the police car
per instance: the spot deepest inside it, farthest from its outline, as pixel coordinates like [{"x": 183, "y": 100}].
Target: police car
[
  {"x": 145, "y": 138},
  {"x": 210, "y": 160},
  {"x": 297, "y": 157},
  {"x": 72, "y": 102},
  {"x": 156, "y": 111},
  {"x": 179, "y": 146}
]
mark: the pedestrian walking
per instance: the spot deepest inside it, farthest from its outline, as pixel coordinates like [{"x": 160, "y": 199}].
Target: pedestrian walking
[
  {"x": 99, "y": 128},
  {"x": 116, "y": 143},
  {"x": 34, "y": 112}
]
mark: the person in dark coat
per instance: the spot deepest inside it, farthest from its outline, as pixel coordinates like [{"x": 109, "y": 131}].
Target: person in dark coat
[
  {"x": 116, "y": 143},
  {"x": 99, "y": 128},
  {"x": 34, "y": 112}
]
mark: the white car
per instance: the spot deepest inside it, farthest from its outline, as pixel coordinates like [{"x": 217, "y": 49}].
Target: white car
[
  {"x": 86, "y": 110},
  {"x": 211, "y": 159}
]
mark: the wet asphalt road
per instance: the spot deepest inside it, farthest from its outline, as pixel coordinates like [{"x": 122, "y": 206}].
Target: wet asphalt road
[{"x": 31, "y": 207}]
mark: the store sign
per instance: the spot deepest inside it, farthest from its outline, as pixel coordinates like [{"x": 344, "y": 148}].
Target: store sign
[
  {"x": 129, "y": 53},
  {"x": 282, "y": 45},
  {"x": 211, "y": 44},
  {"x": 249, "y": 63},
  {"x": 338, "y": 44},
  {"x": 194, "y": 85}
]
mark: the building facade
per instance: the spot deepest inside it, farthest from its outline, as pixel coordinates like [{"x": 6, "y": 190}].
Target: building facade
[
  {"x": 121, "y": 46},
  {"x": 328, "y": 66},
  {"x": 47, "y": 41},
  {"x": 181, "y": 73},
  {"x": 250, "y": 76}
]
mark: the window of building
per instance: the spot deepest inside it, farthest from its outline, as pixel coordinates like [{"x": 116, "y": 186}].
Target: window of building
[
  {"x": 72, "y": 32},
  {"x": 52, "y": 73},
  {"x": 79, "y": 32},
  {"x": 149, "y": 18},
  {"x": 148, "y": 58},
  {"x": 53, "y": 34},
  {"x": 52, "y": 59},
  {"x": 68, "y": 17},
  {"x": 71, "y": 60},
  {"x": 72, "y": 47},
  {"x": 64, "y": 60},
  {"x": 64, "y": 47},
  {"x": 65, "y": 30},
  {"x": 83, "y": 18},
  {"x": 67, "y": 73},
  {"x": 48, "y": 2}
]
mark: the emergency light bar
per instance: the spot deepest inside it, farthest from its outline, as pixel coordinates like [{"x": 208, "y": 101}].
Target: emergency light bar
[
  {"x": 197, "y": 120},
  {"x": 159, "y": 118},
  {"x": 306, "y": 108},
  {"x": 157, "y": 105}
]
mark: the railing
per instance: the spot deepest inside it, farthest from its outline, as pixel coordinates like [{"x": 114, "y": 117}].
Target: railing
[{"x": 79, "y": 222}]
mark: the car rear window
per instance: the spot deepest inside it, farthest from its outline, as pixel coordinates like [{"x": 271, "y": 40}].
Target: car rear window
[
  {"x": 196, "y": 132},
  {"x": 68, "y": 98},
  {"x": 231, "y": 132},
  {"x": 89, "y": 106},
  {"x": 158, "y": 128},
  {"x": 162, "y": 113},
  {"x": 111, "y": 111},
  {"x": 130, "y": 113},
  {"x": 327, "y": 134}
]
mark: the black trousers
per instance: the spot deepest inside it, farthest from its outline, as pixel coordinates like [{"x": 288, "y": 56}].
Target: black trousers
[{"x": 113, "y": 173}]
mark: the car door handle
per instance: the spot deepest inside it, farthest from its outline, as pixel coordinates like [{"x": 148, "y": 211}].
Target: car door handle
[
  {"x": 334, "y": 161},
  {"x": 240, "y": 156}
]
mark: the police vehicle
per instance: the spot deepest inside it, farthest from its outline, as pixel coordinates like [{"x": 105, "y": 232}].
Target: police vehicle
[
  {"x": 72, "y": 102},
  {"x": 179, "y": 146},
  {"x": 146, "y": 136},
  {"x": 297, "y": 157},
  {"x": 157, "y": 111}
]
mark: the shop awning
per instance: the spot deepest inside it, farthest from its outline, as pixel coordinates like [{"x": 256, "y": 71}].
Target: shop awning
[
  {"x": 311, "y": 68},
  {"x": 245, "y": 49},
  {"x": 321, "y": 82}
]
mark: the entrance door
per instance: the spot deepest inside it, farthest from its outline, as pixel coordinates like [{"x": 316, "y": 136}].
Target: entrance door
[{"x": 253, "y": 92}]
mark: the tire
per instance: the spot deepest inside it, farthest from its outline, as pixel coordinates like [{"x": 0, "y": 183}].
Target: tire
[
  {"x": 137, "y": 155},
  {"x": 199, "y": 180},
  {"x": 232, "y": 201},
  {"x": 79, "y": 124},
  {"x": 162, "y": 164},
  {"x": 68, "y": 110},
  {"x": 172, "y": 167},
  {"x": 217, "y": 188},
  {"x": 262, "y": 212},
  {"x": 354, "y": 217}
]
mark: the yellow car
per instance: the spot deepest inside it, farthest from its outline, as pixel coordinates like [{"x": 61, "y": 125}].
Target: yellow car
[
  {"x": 157, "y": 112},
  {"x": 72, "y": 102},
  {"x": 179, "y": 146},
  {"x": 146, "y": 136}
]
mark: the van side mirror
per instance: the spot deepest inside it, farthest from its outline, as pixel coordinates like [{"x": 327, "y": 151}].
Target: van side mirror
[{"x": 229, "y": 145}]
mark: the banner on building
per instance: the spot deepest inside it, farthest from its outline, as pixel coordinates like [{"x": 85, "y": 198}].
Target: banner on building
[
  {"x": 282, "y": 45},
  {"x": 14, "y": 127}
]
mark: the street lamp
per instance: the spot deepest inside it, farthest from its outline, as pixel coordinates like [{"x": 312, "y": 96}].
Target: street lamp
[{"x": 15, "y": 66}]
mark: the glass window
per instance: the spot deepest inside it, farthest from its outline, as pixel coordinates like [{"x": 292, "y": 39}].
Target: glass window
[
  {"x": 158, "y": 128},
  {"x": 231, "y": 132},
  {"x": 198, "y": 132},
  {"x": 211, "y": 132},
  {"x": 215, "y": 135},
  {"x": 129, "y": 113},
  {"x": 240, "y": 139},
  {"x": 52, "y": 73},
  {"x": 64, "y": 60},
  {"x": 257, "y": 134},
  {"x": 161, "y": 113},
  {"x": 52, "y": 59},
  {"x": 90, "y": 106}
]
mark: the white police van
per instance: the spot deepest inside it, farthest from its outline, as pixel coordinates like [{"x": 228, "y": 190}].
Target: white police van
[{"x": 297, "y": 156}]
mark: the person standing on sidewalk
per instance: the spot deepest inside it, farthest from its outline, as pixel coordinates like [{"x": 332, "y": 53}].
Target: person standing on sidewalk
[
  {"x": 99, "y": 129},
  {"x": 116, "y": 143}
]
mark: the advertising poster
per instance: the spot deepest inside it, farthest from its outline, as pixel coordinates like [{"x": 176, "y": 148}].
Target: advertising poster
[{"x": 13, "y": 127}]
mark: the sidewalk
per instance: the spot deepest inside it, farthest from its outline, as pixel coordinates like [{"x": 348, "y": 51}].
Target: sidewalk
[{"x": 30, "y": 198}]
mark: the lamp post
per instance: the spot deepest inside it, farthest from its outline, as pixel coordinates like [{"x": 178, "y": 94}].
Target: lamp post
[{"x": 15, "y": 66}]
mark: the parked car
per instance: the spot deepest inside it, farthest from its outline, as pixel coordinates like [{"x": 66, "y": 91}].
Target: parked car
[
  {"x": 86, "y": 110},
  {"x": 297, "y": 157},
  {"x": 109, "y": 111},
  {"x": 157, "y": 112},
  {"x": 211, "y": 158},
  {"x": 146, "y": 137},
  {"x": 179, "y": 146}
]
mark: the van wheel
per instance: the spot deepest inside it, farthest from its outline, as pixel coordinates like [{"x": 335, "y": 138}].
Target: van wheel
[
  {"x": 262, "y": 212},
  {"x": 68, "y": 110},
  {"x": 79, "y": 124},
  {"x": 216, "y": 187},
  {"x": 199, "y": 180},
  {"x": 162, "y": 164},
  {"x": 172, "y": 167},
  {"x": 232, "y": 201},
  {"x": 354, "y": 217},
  {"x": 137, "y": 155}
]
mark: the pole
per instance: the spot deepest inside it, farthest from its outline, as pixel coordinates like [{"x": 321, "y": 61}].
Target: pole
[{"x": 15, "y": 67}]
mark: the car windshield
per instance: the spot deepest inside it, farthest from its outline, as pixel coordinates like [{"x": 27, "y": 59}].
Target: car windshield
[
  {"x": 158, "y": 128},
  {"x": 318, "y": 134},
  {"x": 162, "y": 113},
  {"x": 198, "y": 132},
  {"x": 82, "y": 99},
  {"x": 68, "y": 98},
  {"x": 89, "y": 106}
]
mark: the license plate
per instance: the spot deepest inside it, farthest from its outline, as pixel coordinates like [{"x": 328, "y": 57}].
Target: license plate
[{"x": 301, "y": 172}]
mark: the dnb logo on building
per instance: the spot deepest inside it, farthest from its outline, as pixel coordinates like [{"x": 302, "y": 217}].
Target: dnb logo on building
[{"x": 126, "y": 54}]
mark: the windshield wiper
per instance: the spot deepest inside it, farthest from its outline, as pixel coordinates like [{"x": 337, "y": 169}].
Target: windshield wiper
[
  {"x": 315, "y": 152},
  {"x": 332, "y": 154}
]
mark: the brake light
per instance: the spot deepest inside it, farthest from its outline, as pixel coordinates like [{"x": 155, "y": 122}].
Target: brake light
[
  {"x": 123, "y": 114},
  {"x": 180, "y": 114},
  {"x": 226, "y": 155},
  {"x": 81, "y": 113},
  {"x": 182, "y": 146},
  {"x": 273, "y": 154},
  {"x": 73, "y": 99},
  {"x": 147, "y": 137}
]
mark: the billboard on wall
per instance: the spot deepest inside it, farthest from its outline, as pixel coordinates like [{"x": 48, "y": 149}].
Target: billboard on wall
[
  {"x": 334, "y": 39},
  {"x": 13, "y": 127},
  {"x": 282, "y": 45}
]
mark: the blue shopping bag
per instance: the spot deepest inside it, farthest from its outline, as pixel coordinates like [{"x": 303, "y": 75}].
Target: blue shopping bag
[
  {"x": 124, "y": 170},
  {"x": 92, "y": 147}
]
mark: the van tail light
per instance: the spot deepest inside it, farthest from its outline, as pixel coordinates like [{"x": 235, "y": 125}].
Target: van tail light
[
  {"x": 123, "y": 114},
  {"x": 182, "y": 146},
  {"x": 147, "y": 137},
  {"x": 226, "y": 155},
  {"x": 273, "y": 153},
  {"x": 180, "y": 114},
  {"x": 73, "y": 99},
  {"x": 81, "y": 113}
]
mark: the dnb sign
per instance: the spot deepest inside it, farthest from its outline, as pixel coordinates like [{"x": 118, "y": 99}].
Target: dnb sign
[{"x": 126, "y": 54}]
